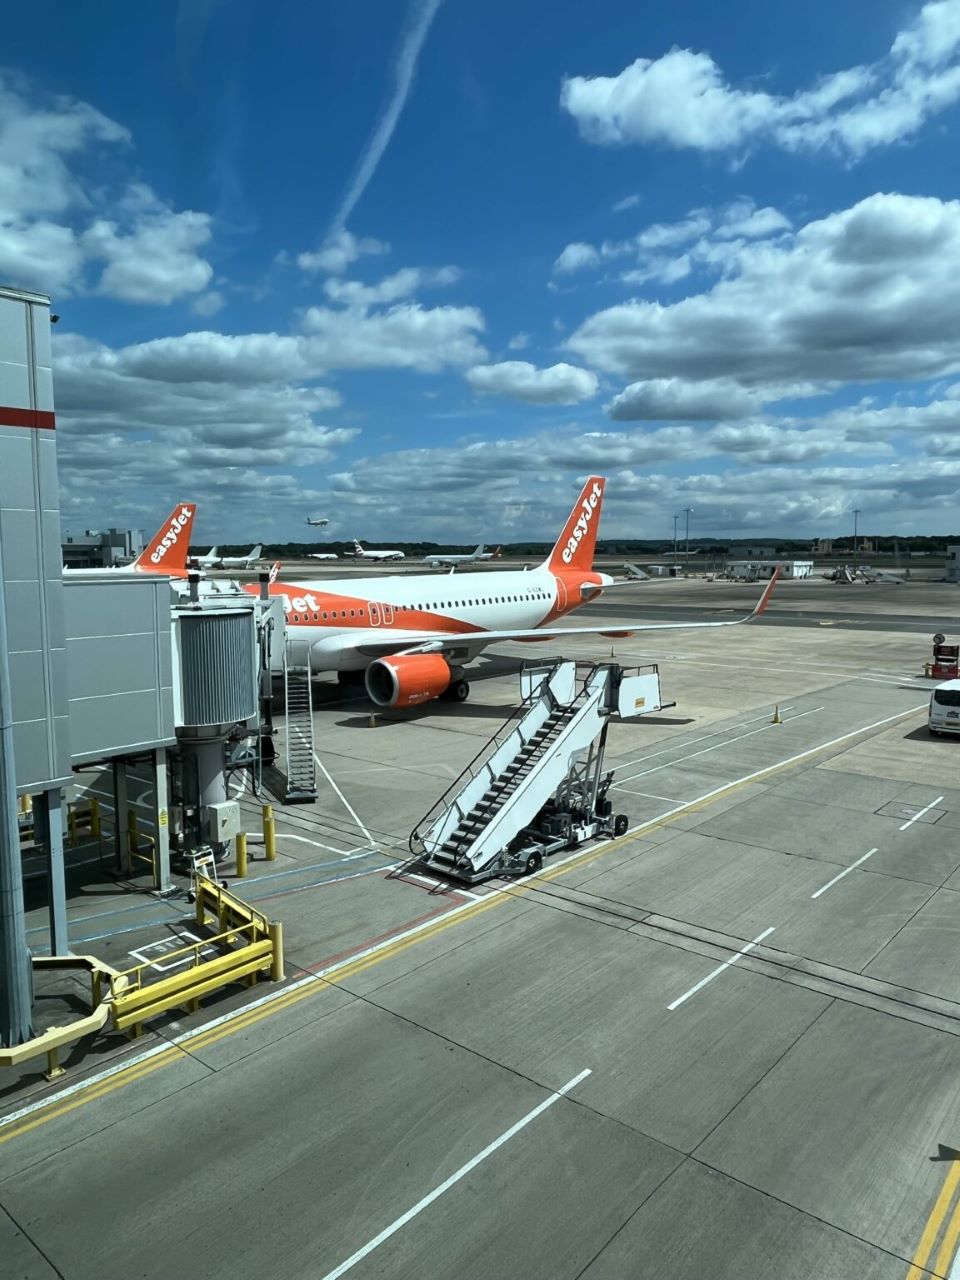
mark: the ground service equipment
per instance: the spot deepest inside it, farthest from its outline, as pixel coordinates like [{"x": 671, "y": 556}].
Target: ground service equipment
[{"x": 539, "y": 785}]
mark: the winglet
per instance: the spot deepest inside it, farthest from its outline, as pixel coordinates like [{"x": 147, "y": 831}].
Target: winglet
[
  {"x": 166, "y": 552},
  {"x": 767, "y": 593}
]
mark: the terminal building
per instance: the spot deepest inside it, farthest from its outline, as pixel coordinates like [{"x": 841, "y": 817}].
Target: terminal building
[
  {"x": 758, "y": 570},
  {"x": 94, "y": 549},
  {"x": 101, "y": 668}
]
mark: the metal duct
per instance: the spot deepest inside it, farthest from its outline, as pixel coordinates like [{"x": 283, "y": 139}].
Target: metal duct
[{"x": 218, "y": 670}]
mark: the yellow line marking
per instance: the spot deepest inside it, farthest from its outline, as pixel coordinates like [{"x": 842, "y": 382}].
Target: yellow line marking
[
  {"x": 948, "y": 1245},
  {"x": 139, "y": 1070},
  {"x": 932, "y": 1226}
]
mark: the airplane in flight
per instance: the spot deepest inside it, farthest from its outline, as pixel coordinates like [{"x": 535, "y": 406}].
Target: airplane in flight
[
  {"x": 451, "y": 561},
  {"x": 409, "y": 637},
  {"x": 317, "y": 521},
  {"x": 361, "y": 554}
]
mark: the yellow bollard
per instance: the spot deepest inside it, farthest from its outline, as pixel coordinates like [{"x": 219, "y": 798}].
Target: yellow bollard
[
  {"x": 95, "y": 817},
  {"x": 776, "y": 715},
  {"x": 269, "y": 834},
  {"x": 275, "y": 929},
  {"x": 242, "y": 854},
  {"x": 373, "y": 720}
]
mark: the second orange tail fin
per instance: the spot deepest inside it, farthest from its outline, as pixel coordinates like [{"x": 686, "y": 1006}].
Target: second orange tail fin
[
  {"x": 166, "y": 552},
  {"x": 574, "y": 548}
]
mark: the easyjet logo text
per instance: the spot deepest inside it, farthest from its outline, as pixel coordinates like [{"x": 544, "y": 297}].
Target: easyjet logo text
[
  {"x": 172, "y": 535},
  {"x": 589, "y": 506}
]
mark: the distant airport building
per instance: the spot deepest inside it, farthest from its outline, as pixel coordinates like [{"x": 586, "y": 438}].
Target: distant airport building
[
  {"x": 756, "y": 570},
  {"x": 952, "y": 573},
  {"x": 822, "y": 546},
  {"x": 101, "y": 550},
  {"x": 762, "y": 552}
]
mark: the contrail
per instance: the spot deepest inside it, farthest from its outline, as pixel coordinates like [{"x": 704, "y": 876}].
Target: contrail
[{"x": 419, "y": 18}]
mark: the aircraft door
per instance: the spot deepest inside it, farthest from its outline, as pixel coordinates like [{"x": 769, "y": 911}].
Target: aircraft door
[
  {"x": 561, "y": 593},
  {"x": 374, "y": 613},
  {"x": 387, "y": 614}
]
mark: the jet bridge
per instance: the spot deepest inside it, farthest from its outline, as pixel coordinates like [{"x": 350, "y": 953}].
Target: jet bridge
[{"x": 538, "y": 786}]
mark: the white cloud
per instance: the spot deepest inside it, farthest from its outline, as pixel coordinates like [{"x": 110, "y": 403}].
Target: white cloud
[
  {"x": 402, "y": 284},
  {"x": 339, "y": 251},
  {"x": 674, "y": 398},
  {"x": 407, "y": 336},
  {"x": 208, "y": 304},
  {"x": 50, "y": 227},
  {"x": 519, "y": 380},
  {"x": 575, "y": 257},
  {"x": 628, "y": 202},
  {"x": 670, "y": 251},
  {"x": 868, "y": 293},
  {"x": 519, "y": 342},
  {"x": 683, "y": 100},
  {"x": 155, "y": 260}
]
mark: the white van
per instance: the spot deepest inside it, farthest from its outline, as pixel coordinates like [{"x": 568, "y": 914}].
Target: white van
[{"x": 944, "y": 715}]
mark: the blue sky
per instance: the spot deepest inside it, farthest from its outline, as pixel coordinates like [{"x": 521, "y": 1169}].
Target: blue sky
[{"x": 421, "y": 265}]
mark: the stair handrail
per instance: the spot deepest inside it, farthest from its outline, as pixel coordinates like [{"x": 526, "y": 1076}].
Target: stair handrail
[{"x": 479, "y": 761}]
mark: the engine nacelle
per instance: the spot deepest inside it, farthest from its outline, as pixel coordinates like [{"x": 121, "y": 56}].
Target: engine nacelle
[{"x": 407, "y": 679}]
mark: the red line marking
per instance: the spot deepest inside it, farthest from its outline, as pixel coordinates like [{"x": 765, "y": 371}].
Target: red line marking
[
  {"x": 382, "y": 937},
  {"x": 37, "y": 419}
]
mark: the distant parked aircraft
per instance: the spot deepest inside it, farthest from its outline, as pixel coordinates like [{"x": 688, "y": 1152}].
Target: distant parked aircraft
[
  {"x": 209, "y": 561},
  {"x": 324, "y": 555},
  {"x": 361, "y": 554},
  {"x": 242, "y": 562},
  {"x": 470, "y": 557},
  {"x": 318, "y": 521}
]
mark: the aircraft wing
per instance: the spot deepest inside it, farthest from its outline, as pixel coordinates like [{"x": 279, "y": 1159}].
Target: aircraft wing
[{"x": 463, "y": 646}]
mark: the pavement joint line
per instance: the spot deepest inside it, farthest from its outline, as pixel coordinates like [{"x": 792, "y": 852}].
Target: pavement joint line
[
  {"x": 273, "y": 1002},
  {"x": 845, "y": 872},
  {"x": 714, "y": 733},
  {"x": 698, "y": 986},
  {"x": 454, "y": 1178},
  {"x": 917, "y": 816},
  {"x": 931, "y": 1228},
  {"x": 716, "y": 746}
]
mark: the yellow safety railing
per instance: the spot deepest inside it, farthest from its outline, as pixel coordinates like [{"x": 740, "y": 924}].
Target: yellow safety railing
[
  {"x": 261, "y": 950},
  {"x": 54, "y": 1038},
  {"x": 83, "y": 816}
]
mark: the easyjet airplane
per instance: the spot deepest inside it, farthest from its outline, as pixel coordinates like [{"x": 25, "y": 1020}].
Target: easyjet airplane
[{"x": 410, "y": 636}]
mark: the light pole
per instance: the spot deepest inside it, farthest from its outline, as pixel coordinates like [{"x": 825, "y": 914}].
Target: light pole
[
  {"x": 687, "y": 510},
  {"x": 856, "y": 516},
  {"x": 676, "y": 520}
]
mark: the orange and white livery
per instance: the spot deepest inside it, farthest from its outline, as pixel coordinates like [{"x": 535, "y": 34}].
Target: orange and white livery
[
  {"x": 166, "y": 552},
  {"x": 413, "y": 634}
]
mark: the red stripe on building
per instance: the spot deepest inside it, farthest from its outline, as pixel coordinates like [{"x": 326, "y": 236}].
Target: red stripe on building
[{"x": 37, "y": 419}]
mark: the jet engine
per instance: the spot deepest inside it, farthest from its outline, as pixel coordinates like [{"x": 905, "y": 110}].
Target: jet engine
[{"x": 406, "y": 680}]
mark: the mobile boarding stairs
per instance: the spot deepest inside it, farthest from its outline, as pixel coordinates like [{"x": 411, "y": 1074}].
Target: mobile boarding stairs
[{"x": 538, "y": 786}]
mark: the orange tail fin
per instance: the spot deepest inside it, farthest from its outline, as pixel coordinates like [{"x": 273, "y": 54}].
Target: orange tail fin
[
  {"x": 574, "y": 548},
  {"x": 166, "y": 552}
]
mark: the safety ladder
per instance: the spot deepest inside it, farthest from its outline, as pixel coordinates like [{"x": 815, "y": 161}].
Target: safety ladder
[
  {"x": 497, "y": 797},
  {"x": 301, "y": 762}
]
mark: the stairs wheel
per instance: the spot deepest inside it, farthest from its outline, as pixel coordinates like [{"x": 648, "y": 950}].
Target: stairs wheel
[
  {"x": 604, "y": 808},
  {"x": 459, "y": 691},
  {"x": 533, "y": 864},
  {"x": 620, "y": 824}
]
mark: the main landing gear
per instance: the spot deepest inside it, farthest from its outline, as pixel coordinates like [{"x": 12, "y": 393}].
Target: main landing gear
[
  {"x": 457, "y": 691},
  {"x": 350, "y": 679}
]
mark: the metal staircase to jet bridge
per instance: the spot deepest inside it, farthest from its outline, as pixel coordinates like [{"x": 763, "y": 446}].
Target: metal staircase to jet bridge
[
  {"x": 538, "y": 784},
  {"x": 301, "y": 763}
]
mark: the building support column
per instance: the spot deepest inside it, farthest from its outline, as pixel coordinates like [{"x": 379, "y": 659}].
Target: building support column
[
  {"x": 120, "y": 812},
  {"x": 161, "y": 823},
  {"x": 52, "y": 802},
  {"x": 16, "y": 967}
]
